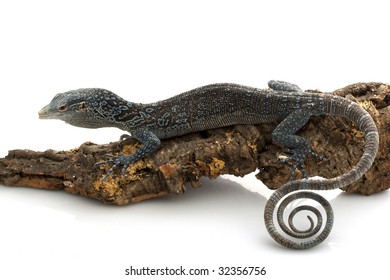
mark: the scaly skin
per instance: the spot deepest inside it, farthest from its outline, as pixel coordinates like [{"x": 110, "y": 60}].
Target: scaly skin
[{"x": 220, "y": 105}]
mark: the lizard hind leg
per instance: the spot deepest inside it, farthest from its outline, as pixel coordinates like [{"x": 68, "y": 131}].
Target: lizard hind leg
[
  {"x": 283, "y": 86},
  {"x": 297, "y": 146}
]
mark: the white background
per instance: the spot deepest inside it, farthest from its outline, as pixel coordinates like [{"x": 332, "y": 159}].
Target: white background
[{"x": 149, "y": 50}]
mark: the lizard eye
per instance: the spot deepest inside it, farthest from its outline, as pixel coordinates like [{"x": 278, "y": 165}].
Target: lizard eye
[{"x": 62, "y": 108}]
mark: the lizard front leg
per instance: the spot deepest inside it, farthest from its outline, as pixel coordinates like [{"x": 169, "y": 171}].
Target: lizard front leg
[
  {"x": 284, "y": 134},
  {"x": 150, "y": 144}
]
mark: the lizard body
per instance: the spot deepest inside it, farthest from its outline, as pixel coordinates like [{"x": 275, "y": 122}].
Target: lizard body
[{"x": 220, "y": 105}]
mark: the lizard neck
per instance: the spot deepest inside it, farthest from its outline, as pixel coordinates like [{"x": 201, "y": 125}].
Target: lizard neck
[{"x": 126, "y": 115}]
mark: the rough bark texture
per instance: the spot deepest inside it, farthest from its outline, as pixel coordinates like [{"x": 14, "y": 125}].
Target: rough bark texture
[{"x": 237, "y": 150}]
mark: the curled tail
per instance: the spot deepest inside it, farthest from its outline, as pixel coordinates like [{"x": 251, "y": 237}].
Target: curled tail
[{"x": 289, "y": 192}]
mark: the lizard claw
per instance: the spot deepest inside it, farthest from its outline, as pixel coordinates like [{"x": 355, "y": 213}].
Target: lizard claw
[
  {"x": 298, "y": 160},
  {"x": 121, "y": 160},
  {"x": 318, "y": 156}
]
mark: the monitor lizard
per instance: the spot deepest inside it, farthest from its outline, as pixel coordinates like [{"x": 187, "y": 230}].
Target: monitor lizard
[{"x": 225, "y": 104}]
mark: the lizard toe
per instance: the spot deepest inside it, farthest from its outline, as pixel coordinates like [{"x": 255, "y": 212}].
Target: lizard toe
[
  {"x": 297, "y": 159},
  {"x": 318, "y": 156},
  {"x": 116, "y": 161}
]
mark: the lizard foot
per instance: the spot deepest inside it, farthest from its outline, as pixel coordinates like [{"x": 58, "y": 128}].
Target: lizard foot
[
  {"x": 121, "y": 160},
  {"x": 298, "y": 160},
  {"x": 318, "y": 156}
]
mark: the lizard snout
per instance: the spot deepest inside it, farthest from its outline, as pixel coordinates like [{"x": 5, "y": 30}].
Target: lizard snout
[{"x": 44, "y": 113}]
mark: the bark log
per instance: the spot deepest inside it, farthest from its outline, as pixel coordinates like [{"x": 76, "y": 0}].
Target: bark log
[{"x": 236, "y": 150}]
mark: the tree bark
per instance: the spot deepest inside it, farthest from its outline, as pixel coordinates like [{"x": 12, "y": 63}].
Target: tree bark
[{"x": 236, "y": 150}]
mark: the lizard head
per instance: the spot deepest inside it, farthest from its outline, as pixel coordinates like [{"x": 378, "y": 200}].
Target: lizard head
[{"x": 81, "y": 107}]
